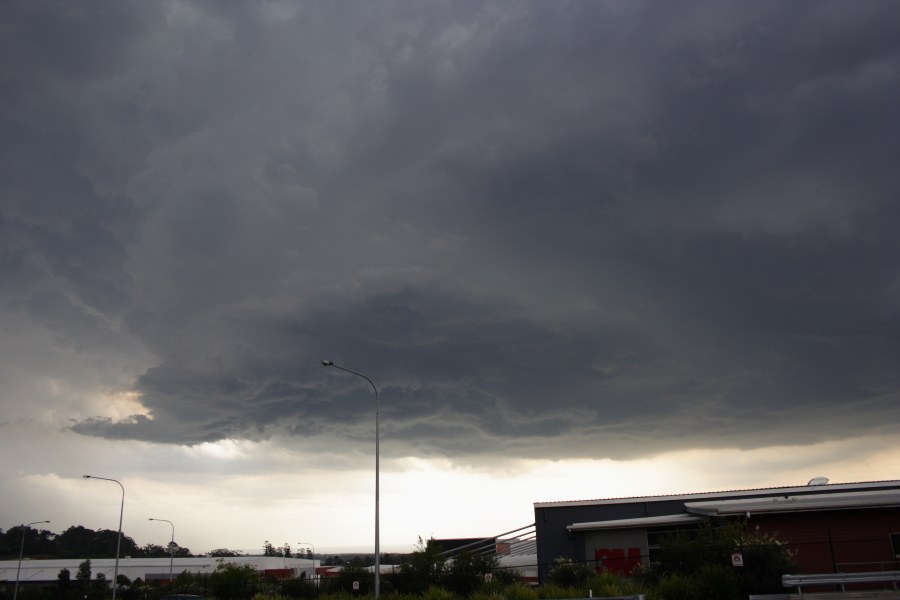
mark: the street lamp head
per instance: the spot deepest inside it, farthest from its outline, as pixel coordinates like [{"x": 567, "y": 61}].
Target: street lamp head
[
  {"x": 328, "y": 363},
  {"x": 86, "y": 476}
]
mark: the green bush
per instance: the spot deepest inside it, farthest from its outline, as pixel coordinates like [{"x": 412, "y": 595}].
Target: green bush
[
  {"x": 438, "y": 593},
  {"x": 465, "y": 573},
  {"x": 608, "y": 584},
  {"x": 507, "y": 577},
  {"x": 675, "y": 586},
  {"x": 230, "y": 580},
  {"x": 344, "y": 581},
  {"x": 338, "y": 596},
  {"x": 520, "y": 591},
  {"x": 423, "y": 569},
  {"x": 556, "y": 591},
  {"x": 766, "y": 559},
  {"x": 488, "y": 594},
  {"x": 717, "y": 582},
  {"x": 703, "y": 555},
  {"x": 567, "y": 573}
]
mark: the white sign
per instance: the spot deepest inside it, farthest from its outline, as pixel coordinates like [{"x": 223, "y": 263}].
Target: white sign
[
  {"x": 355, "y": 586},
  {"x": 737, "y": 559}
]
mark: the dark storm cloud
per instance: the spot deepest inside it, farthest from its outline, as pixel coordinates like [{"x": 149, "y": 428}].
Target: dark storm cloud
[{"x": 568, "y": 229}]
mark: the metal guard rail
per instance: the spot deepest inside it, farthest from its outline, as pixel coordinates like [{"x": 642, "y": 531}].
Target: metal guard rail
[{"x": 799, "y": 581}]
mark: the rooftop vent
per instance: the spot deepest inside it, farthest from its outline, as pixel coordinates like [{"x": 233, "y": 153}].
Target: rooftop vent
[{"x": 818, "y": 481}]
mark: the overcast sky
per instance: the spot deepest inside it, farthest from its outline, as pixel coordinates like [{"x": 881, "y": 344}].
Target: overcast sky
[{"x": 583, "y": 249}]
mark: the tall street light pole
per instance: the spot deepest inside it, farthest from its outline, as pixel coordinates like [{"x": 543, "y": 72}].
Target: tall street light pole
[
  {"x": 21, "y": 551},
  {"x": 171, "y": 546},
  {"x": 328, "y": 363},
  {"x": 119, "y": 538}
]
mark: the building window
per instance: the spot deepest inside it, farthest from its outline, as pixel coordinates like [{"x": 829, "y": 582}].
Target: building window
[
  {"x": 895, "y": 543},
  {"x": 656, "y": 535}
]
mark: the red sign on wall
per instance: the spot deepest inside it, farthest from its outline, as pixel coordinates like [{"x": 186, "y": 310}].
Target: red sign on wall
[{"x": 620, "y": 561}]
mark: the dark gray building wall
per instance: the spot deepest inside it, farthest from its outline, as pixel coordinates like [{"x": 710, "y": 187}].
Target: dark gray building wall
[{"x": 555, "y": 541}]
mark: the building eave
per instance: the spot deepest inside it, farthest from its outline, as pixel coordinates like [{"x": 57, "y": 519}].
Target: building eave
[
  {"x": 788, "y": 503},
  {"x": 641, "y": 522}
]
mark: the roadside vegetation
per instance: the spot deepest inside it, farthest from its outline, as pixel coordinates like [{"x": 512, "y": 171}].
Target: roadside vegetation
[{"x": 693, "y": 564}]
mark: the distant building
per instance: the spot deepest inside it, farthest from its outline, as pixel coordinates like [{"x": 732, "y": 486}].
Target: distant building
[
  {"x": 843, "y": 527},
  {"x": 149, "y": 569},
  {"x": 512, "y": 553}
]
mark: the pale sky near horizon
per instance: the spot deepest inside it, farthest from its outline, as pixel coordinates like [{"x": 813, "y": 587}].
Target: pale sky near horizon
[{"x": 583, "y": 249}]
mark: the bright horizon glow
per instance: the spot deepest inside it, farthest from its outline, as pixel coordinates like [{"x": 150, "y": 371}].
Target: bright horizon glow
[{"x": 420, "y": 497}]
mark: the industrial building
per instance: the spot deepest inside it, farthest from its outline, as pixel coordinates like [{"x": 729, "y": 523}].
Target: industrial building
[
  {"x": 34, "y": 572},
  {"x": 843, "y": 527}
]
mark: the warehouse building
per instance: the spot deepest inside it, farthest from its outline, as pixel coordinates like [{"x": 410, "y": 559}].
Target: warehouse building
[
  {"x": 846, "y": 527},
  {"x": 43, "y": 572}
]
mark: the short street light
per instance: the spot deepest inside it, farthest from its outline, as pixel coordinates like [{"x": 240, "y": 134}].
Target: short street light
[
  {"x": 21, "y": 551},
  {"x": 171, "y": 546},
  {"x": 328, "y": 363},
  {"x": 313, "y": 558},
  {"x": 119, "y": 538}
]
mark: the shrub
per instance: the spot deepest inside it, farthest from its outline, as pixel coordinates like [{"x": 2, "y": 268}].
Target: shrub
[
  {"x": 507, "y": 577},
  {"x": 466, "y": 573},
  {"x": 438, "y": 593},
  {"x": 230, "y": 580},
  {"x": 556, "y": 591},
  {"x": 567, "y": 573},
  {"x": 609, "y": 584},
  {"x": 343, "y": 595},
  {"x": 675, "y": 587},
  {"x": 488, "y": 594},
  {"x": 766, "y": 559},
  {"x": 344, "y": 581},
  {"x": 520, "y": 591},
  {"x": 717, "y": 582}
]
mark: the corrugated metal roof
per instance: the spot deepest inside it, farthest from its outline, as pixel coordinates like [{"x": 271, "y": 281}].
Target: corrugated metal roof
[
  {"x": 815, "y": 489},
  {"x": 781, "y": 504}
]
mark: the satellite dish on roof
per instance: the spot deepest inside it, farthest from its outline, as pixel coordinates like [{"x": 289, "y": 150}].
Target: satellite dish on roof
[{"x": 818, "y": 481}]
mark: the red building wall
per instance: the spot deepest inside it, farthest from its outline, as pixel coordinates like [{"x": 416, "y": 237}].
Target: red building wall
[{"x": 837, "y": 541}]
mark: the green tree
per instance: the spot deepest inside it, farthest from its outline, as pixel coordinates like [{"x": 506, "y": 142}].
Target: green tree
[
  {"x": 36, "y": 542},
  {"x": 567, "y": 573},
  {"x": 700, "y": 559},
  {"x": 423, "y": 569},
  {"x": 100, "y": 582},
  {"x": 154, "y": 551},
  {"x": 231, "y": 581},
  {"x": 466, "y": 572},
  {"x": 76, "y": 541},
  {"x": 343, "y": 583},
  {"x": 83, "y": 576},
  {"x": 64, "y": 583},
  {"x": 684, "y": 552},
  {"x": 224, "y": 552},
  {"x": 766, "y": 559}
]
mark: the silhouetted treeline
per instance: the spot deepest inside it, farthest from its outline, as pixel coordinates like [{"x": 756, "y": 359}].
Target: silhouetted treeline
[{"x": 77, "y": 542}]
